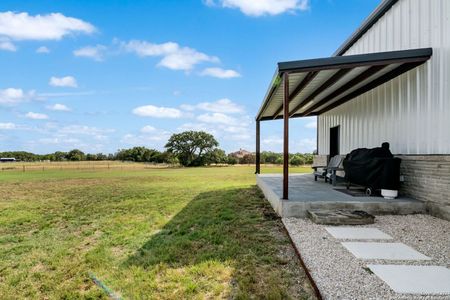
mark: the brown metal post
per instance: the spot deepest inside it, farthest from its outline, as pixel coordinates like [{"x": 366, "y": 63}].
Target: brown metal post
[
  {"x": 286, "y": 137},
  {"x": 258, "y": 148}
]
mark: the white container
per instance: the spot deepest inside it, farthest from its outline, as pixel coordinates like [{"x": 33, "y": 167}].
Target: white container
[{"x": 389, "y": 194}]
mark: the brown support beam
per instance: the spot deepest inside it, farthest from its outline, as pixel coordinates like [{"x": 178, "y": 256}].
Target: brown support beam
[
  {"x": 310, "y": 76},
  {"x": 379, "y": 81},
  {"x": 358, "y": 79},
  {"x": 286, "y": 137},
  {"x": 332, "y": 80},
  {"x": 258, "y": 147}
]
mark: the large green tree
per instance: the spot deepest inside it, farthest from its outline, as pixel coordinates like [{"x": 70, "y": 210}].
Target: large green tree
[
  {"x": 138, "y": 154},
  {"x": 192, "y": 148},
  {"x": 76, "y": 155}
]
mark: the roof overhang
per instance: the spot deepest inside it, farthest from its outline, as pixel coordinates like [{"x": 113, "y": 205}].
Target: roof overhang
[{"x": 318, "y": 85}]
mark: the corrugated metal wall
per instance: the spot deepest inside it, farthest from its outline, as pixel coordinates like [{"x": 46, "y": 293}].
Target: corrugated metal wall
[{"x": 412, "y": 112}]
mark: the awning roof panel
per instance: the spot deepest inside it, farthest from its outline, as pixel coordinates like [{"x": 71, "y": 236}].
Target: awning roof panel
[
  {"x": 317, "y": 85},
  {"x": 309, "y": 89},
  {"x": 361, "y": 83},
  {"x": 346, "y": 78}
]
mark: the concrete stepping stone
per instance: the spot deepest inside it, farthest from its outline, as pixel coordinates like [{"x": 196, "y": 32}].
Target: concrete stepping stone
[
  {"x": 414, "y": 279},
  {"x": 357, "y": 233},
  {"x": 388, "y": 251}
]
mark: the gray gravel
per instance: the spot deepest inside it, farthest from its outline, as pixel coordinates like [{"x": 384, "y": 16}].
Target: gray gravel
[{"x": 340, "y": 275}]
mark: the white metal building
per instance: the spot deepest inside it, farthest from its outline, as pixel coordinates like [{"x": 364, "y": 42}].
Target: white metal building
[
  {"x": 412, "y": 112},
  {"x": 389, "y": 82}
]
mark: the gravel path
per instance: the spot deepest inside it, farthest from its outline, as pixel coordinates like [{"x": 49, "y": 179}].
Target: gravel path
[{"x": 340, "y": 275}]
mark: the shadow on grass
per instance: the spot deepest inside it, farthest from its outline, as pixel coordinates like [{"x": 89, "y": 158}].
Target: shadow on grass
[{"x": 235, "y": 225}]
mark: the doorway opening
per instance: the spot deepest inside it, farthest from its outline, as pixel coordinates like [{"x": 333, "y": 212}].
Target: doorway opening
[{"x": 334, "y": 141}]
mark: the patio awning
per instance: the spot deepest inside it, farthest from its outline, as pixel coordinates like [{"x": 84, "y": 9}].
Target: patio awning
[{"x": 318, "y": 85}]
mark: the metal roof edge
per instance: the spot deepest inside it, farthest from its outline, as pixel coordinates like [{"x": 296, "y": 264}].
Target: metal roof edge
[
  {"x": 268, "y": 92},
  {"x": 354, "y": 59},
  {"x": 365, "y": 26}
]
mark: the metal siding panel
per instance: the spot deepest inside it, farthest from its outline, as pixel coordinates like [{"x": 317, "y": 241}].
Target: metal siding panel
[
  {"x": 324, "y": 148},
  {"x": 411, "y": 111}
]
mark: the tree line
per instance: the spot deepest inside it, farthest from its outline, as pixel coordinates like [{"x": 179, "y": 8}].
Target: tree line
[{"x": 189, "y": 148}]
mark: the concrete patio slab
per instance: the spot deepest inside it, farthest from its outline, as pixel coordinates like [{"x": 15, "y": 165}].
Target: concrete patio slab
[
  {"x": 306, "y": 194},
  {"x": 414, "y": 279},
  {"x": 357, "y": 233},
  {"x": 388, "y": 251}
]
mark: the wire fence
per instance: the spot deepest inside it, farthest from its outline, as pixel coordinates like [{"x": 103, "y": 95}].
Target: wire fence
[
  {"x": 83, "y": 165},
  {"x": 104, "y": 165}
]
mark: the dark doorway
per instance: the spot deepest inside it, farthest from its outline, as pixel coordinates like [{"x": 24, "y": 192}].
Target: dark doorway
[{"x": 334, "y": 141}]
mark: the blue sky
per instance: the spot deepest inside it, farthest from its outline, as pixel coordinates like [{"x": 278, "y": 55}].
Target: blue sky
[{"x": 104, "y": 75}]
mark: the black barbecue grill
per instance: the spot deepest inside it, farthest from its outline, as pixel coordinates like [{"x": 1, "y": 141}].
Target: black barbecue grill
[{"x": 374, "y": 169}]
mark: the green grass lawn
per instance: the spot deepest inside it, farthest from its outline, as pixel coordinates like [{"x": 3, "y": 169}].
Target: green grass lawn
[{"x": 157, "y": 233}]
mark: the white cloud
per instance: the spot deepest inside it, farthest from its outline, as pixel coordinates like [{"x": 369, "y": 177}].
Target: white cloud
[
  {"x": 239, "y": 132},
  {"x": 224, "y": 105},
  {"x": 143, "y": 48},
  {"x": 12, "y": 96},
  {"x": 59, "y": 141},
  {"x": 173, "y": 56},
  {"x": 67, "y": 81},
  {"x": 148, "y": 129},
  {"x": 7, "y": 126},
  {"x": 218, "y": 118},
  {"x": 58, "y": 107},
  {"x": 220, "y": 73},
  {"x": 43, "y": 50},
  {"x": 65, "y": 94},
  {"x": 157, "y": 112},
  {"x": 84, "y": 130},
  {"x": 219, "y": 122},
  {"x": 272, "y": 141},
  {"x": 188, "y": 107},
  {"x": 36, "y": 116},
  {"x": 220, "y": 127},
  {"x": 241, "y": 137},
  {"x": 94, "y": 52},
  {"x": 275, "y": 143},
  {"x": 22, "y": 26},
  {"x": 262, "y": 7},
  {"x": 69, "y": 143},
  {"x": 198, "y": 127},
  {"x": 7, "y": 45},
  {"x": 311, "y": 125},
  {"x": 157, "y": 140},
  {"x": 97, "y": 134},
  {"x": 307, "y": 145}
]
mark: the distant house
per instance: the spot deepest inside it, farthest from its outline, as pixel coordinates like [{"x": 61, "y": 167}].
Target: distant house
[
  {"x": 388, "y": 82},
  {"x": 240, "y": 154},
  {"x": 7, "y": 159}
]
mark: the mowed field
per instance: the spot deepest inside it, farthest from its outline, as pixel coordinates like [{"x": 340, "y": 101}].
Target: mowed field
[{"x": 174, "y": 233}]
